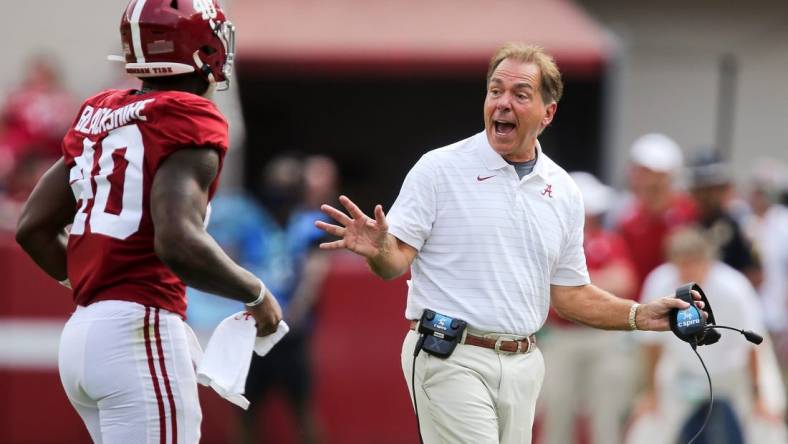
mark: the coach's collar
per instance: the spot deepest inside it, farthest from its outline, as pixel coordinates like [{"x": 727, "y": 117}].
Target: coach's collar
[
  {"x": 494, "y": 161},
  {"x": 540, "y": 169}
]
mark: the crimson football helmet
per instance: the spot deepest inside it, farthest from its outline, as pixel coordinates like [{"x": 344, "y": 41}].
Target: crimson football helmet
[{"x": 171, "y": 37}]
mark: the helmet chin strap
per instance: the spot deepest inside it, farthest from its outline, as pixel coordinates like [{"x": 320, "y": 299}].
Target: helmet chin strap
[
  {"x": 208, "y": 94},
  {"x": 213, "y": 85}
]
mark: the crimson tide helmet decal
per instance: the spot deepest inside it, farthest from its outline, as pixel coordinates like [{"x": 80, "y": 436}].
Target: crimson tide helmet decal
[{"x": 171, "y": 37}]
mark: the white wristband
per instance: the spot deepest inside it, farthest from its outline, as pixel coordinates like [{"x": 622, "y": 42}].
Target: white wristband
[
  {"x": 633, "y": 311},
  {"x": 260, "y": 297}
]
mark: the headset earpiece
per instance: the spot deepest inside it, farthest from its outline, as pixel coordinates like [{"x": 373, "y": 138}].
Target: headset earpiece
[
  {"x": 689, "y": 324},
  {"x": 711, "y": 336}
]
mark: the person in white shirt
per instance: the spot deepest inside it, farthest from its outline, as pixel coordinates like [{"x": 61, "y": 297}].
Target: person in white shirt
[
  {"x": 675, "y": 383},
  {"x": 766, "y": 227},
  {"x": 492, "y": 231}
]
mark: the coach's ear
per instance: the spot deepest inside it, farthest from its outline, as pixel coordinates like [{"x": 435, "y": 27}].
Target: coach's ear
[{"x": 550, "y": 111}]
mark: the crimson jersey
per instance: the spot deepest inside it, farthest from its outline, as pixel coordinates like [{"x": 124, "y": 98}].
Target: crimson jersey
[
  {"x": 645, "y": 233},
  {"x": 113, "y": 149}
]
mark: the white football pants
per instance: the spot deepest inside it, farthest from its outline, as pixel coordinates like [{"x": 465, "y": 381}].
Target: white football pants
[{"x": 127, "y": 371}]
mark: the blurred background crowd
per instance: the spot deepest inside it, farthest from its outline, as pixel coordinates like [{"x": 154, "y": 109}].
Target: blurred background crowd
[{"x": 673, "y": 125}]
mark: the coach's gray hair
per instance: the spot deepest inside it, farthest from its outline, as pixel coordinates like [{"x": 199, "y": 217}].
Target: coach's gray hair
[{"x": 551, "y": 85}]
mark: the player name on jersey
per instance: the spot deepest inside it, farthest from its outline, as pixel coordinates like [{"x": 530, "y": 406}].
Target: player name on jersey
[{"x": 97, "y": 121}]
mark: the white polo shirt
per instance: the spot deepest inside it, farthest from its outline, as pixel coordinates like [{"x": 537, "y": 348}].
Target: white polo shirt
[{"x": 489, "y": 244}]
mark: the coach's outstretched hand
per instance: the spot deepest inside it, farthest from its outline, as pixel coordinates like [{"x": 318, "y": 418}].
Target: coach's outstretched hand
[
  {"x": 359, "y": 233},
  {"x": 387, "y": 256},
  {"x": 655, "y": 315}
]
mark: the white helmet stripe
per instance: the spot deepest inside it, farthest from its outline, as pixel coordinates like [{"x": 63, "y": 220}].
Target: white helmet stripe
[
  {"x": 135, "y": 31},
  {"x": 158, "y": 69}
]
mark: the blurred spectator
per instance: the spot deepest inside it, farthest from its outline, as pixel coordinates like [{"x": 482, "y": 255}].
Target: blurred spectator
[
  {"x": 590, "y": 371},
  {"x": 676, "y": 386},
  {"x": 18, "y": 184},
  {"x": 6, "y": 155},
  {"x": 767, "y": 228},
  {"x": 293, "y": 268},
  {"x": 278, "y": 242},
  {"x": 33, "y": 119},
  {"x": 321, "y": 179},
  {"x": 657, "y": 206},
  {"x": 711, "y": 187},
  {"x": 36, "y": 115}
]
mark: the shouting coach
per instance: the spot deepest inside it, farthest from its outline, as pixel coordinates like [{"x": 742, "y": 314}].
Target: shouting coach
[{"x": 492, "y": 230}]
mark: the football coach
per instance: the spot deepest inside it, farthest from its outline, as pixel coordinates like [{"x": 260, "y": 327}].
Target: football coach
[{"x": 492, "y": 231}]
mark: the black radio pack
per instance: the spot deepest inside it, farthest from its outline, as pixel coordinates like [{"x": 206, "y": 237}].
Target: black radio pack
[{"x": 440, "y": 333}]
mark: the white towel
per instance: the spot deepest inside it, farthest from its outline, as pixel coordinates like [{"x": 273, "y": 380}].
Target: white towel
[{"x": 225, "y": 363}]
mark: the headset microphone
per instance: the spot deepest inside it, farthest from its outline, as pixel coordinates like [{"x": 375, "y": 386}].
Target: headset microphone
[
  {"x": 690, "y": 326},
  {"x": 751, "y": 336}
]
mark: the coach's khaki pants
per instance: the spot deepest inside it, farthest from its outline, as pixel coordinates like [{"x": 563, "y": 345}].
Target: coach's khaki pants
[{"x": 477, "y": 395}]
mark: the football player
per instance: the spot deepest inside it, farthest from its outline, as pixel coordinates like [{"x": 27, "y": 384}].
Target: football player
[{"x": 138, "y": 170}]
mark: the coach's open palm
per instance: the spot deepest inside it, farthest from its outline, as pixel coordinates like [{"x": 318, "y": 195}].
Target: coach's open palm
[{"x": 360, "y": 233}]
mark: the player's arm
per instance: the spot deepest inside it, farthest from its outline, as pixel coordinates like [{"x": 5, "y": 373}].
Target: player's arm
[
  {"x": 179, "y": 199},
  {"x": 592, "y": 306},
  {"x": 41, "y": 229}
]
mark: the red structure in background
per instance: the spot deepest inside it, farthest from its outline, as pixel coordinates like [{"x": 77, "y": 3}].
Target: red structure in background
[
  {"x": 407, "y": 37},
  {"x": 361, "y": 396}
]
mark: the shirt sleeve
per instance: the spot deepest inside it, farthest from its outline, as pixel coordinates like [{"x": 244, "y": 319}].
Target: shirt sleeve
[
  {"x": 189, "y": 121},
  {"x": 571, "y": 269},
  {"x": 413, "y": 213}
]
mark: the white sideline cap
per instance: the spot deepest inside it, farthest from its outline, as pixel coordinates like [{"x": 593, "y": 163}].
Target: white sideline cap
[
  {"x": 597, "y": 197},
  {"x": 657, "y": 152}
]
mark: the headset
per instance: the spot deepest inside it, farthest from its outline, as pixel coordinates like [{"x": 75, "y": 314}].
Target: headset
[{"x": 690, "y": 326}]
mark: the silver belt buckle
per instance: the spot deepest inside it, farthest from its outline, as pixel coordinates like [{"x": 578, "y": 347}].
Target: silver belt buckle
[
  {"x": 498, "y": 343},
  {"x": 520, "y": 345}
]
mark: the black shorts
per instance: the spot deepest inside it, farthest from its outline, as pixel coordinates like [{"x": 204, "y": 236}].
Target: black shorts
[{"x": 286, "y": 366}]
